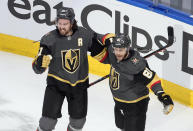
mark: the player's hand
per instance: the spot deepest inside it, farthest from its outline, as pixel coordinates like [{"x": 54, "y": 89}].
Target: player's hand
[
  {"x": 43, "y": 61},
  {"x": 109, "y": 39},
  {"x": 46, "y": 61},
  {"x": 166, "y": 101}
]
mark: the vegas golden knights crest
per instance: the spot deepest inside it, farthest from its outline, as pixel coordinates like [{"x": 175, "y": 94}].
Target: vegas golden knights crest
[
  {"x": 114, "y": 79},
  {"x": 70, "y": 60}
]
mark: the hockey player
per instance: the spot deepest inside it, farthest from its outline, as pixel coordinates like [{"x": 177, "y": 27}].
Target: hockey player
[
  {"x": 130, "y": 78},
  {"x": 64, "y": 52}
]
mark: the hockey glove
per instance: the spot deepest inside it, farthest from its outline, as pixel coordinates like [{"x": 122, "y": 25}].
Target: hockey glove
[
  {"x": 108, "y": 39},
  {"x": 166, "y": 101},
  {"x": 46, "y": 61},
  {"x": 43, "y": 61}
]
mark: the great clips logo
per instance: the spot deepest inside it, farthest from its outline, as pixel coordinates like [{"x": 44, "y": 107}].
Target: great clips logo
[
  {"x": 13, "y": 5},
  {"x": 159, "y": 40}
]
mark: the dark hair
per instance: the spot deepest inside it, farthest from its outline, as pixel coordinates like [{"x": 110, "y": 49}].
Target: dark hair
[{"x": 74, "y": 26}]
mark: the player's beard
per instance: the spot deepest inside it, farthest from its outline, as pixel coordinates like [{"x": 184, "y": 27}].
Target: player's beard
[{"x": 64, "y": 32}]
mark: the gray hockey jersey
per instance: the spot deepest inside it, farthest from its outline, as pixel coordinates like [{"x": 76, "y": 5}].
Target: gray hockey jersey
[
  {"x": 69, "y": 62},
  {"x": 130, "y": 78}
]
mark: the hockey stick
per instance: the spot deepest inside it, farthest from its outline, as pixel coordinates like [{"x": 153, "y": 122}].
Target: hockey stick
[
  {"x": 170, "y": 43},
  {"x": 102, "y": 78},
  {"x": 148, "y": 50}
]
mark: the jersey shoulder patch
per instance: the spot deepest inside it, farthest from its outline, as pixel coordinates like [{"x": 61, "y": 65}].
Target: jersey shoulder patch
[
  {"x": 137, "y": 61},
  {"x": 134, "y": 60}
]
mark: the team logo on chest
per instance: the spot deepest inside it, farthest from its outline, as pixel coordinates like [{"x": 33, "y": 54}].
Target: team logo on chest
[
  {"x": 114, "y": 79},
  {"x": 70, "y": 60}
]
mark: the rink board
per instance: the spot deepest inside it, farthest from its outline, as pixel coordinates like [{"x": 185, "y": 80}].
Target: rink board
[{"x": 147, "y": 29}]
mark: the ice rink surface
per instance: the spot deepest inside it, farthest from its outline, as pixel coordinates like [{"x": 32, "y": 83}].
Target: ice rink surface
[{"x": 21, "y": 98}]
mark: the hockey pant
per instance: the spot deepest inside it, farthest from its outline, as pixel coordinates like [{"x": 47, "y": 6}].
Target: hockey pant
[{"x": 131, "y": 116}]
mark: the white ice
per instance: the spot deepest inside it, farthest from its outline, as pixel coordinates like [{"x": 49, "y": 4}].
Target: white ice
[{"x": 21, "y": 98}]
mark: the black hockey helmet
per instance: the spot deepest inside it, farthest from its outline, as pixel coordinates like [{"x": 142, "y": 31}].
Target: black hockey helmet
[
  {"x": 66, "y": 13},
  {"x": 121, "y": 41}
]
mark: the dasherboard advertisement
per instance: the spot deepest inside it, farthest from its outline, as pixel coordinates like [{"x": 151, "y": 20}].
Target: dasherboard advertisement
[{"x": 148, "y": 30}]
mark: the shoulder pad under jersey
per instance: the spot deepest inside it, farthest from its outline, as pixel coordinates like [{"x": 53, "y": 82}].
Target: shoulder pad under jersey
[{"x": 48, "y": 39}]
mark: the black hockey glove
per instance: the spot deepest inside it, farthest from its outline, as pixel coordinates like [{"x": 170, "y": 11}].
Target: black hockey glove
[
  {"x": 108, "y": 39},
  {"x": 43, "y": 61},
  {"x": 108, "y": 42},
  {"x": 166, "y": 101},
  {"x": 36, "y": 65}
]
